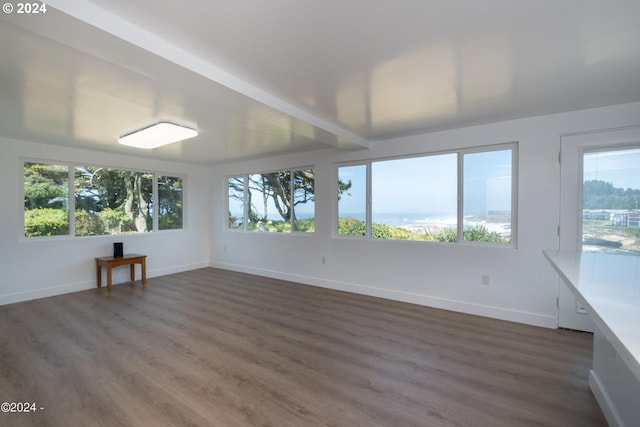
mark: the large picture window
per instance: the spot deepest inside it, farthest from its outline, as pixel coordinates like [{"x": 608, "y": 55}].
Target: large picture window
[
  {"x": 104, "y": 201},
  {"x": 281, "y": 201},
  {"x": 461, "y": 196}
]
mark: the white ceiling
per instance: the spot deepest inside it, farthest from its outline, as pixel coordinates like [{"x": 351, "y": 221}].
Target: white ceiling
[{"x": 260, "y": 77}]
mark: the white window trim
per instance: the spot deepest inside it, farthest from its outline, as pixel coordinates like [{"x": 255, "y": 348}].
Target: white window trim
[
  {"x": 72, "y": 202},
  {"x": 513, "y": 146},
  {"x": 245, "y": 206}
]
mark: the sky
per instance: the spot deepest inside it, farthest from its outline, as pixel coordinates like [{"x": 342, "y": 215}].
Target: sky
[
  {"x": 428, "y": 185},
  {"x": 619, "y": 167}
]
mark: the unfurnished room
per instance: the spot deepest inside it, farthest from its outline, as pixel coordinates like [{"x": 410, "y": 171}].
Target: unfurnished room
[{"x": 320, "y": 213}]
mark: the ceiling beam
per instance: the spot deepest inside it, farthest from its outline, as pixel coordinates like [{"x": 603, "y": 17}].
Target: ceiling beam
[{"x": 127, "y": 31}]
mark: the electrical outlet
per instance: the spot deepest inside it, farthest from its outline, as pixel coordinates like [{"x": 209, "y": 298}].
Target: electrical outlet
[
  {"x": 580, "y": 308},
  {"x": 324, "y": 260},
  {"x": 486, "y": 279}
]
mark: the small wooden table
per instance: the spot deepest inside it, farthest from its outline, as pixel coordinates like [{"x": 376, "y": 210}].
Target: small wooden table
[{"x": 128, "y": 259}]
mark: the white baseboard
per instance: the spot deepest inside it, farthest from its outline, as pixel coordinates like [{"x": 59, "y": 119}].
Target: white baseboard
[
  {"x": 501, "y": 313},
  {"x": 601, "y": 395},
  {"x": 89, "y": 284},
  {"x": 46, "y": 292},
  {"x": 177, "y": 269},
  {"x": 426, "y": 300}
]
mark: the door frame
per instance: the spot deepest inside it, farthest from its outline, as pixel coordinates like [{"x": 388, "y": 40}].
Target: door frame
[{"x": 572, "y": 149}]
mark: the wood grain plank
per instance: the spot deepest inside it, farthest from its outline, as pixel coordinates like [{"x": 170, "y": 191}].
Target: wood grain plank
[{"x": 214, "y": 347}]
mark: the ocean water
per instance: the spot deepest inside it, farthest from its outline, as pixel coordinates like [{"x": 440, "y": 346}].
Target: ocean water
[
  {"x": 404, "y": 219},
  {"x": 276, "y": 217},
  {"x": 426, "y": 221}
]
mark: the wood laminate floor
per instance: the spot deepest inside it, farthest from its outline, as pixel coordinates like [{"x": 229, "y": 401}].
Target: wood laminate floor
[{"x": 217, "y": 348}]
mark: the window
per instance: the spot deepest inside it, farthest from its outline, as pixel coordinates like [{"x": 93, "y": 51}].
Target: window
[
  {"x": 611, "y": 201},
  {"x": 267, "y": 195},
  {"x": 46, "y": 199},
  {"x": 280, "y": 202},
  {"x": 487, "y": 196},
  {"x": 235, "y": 192},
  {"x": 170, "y": 202},
  {"x": 414, "y": 198},
  {"x": 304, "y": 210},
  {"x": 105, "y": 201},
  {"x": 352, "y": 200},
  {"x": 111, "y": 201},
  {"x": 462, "y": 196}
]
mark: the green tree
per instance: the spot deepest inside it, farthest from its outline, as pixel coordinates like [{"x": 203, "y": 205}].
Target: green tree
[
  {"x": 46, "y": 222},
  {"x": 597, "y": 194},
  {"x": 98, "y": 189},
  {"x": 280, "y": 187},
  {"x": 45, "y": 186},
  {"x": 169, "y": 202},
  {"x": 46, "y": 211}
]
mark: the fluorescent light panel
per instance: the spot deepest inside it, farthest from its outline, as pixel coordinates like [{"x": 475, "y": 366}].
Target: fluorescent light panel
[{"x": 157, "y": 135}]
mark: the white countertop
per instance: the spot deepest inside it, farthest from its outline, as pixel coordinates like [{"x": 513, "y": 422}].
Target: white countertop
[{"x": 609, "y": 287}]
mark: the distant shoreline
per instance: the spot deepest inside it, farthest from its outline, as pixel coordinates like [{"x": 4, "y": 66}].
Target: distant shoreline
[{"x": 503, "y": 229}]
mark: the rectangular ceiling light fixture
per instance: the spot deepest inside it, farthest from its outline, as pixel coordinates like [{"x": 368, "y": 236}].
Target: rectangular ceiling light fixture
[{"x": 157, "y": 135}]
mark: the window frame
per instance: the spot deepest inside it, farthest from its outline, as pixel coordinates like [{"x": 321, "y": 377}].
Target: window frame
[
  {"x": 244, "y": 227},
  {"x": 336, "y": 210},
  {"x": 72, "y": 203},
  {"x": 513, "y": 146},
  {"x": 156, "y": 192},
  {"x": 582, "y": 151},
  {"x": 245, "y": 210}
]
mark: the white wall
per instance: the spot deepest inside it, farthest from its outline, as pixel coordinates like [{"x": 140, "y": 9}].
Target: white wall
[
  {"x": 523, "y": 286},
  {"x": 34, "y": 268},
  {"x": 615, "y": 386}
]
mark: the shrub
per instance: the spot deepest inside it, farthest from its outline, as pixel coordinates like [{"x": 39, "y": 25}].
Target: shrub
[
  {"x": 351, "y": 227},
  {"x": 449, "y": 234},
  {"x": 356, "y": 227},
  {"x": 89, "y": 224},
  {"x": 481, "y": 234},
  {"x": 306, "y": 225},
  {"x": 46, "y": 222}
]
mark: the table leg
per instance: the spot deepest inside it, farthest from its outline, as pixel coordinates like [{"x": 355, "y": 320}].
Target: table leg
[
  {"x": 109, "y": 278},
  {"x": 132, "y": 271},
  {"x": 143, "y": 267},
  {"x": 99, "y": 273}
]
